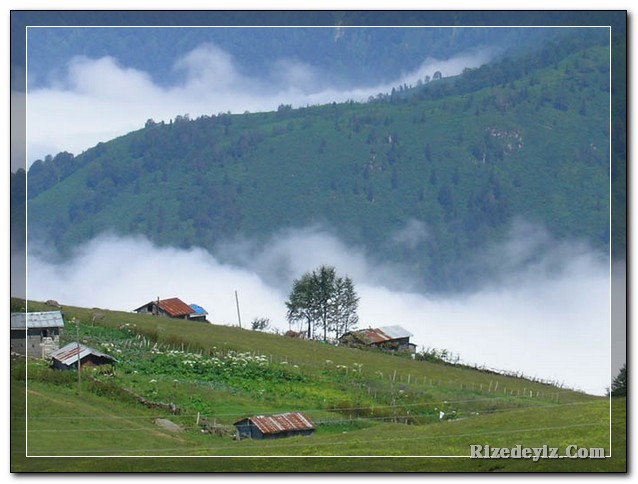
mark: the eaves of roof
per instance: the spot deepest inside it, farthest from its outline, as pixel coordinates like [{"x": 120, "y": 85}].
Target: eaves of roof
[{"x": 286, "y": 422}]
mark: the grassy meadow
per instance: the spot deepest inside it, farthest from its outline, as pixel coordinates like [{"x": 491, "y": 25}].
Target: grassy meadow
[{"x": 375, "y": 412}]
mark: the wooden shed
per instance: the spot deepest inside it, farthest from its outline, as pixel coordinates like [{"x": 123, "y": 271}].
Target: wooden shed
[
  {"x": 67, "y": 358},
  {"x": 274, "y": 426},
  {"x": 386, "y": 337},
  {"x": 36, "y": 334}
]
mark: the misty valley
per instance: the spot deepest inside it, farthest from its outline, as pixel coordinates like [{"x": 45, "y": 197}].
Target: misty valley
[{"x": 461, "y": 196}]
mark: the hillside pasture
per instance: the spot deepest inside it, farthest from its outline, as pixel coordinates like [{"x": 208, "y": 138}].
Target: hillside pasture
[{"x": 205, "y": 377}]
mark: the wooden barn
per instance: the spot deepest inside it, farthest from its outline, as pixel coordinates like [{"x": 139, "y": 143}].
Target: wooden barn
[
  {"x": 274, "y": 426},
  {"x": 36, "y": 334},
  {"x": 393, "y": 338},
  {"x": 67, "y": 358},
  {"x": 173, "y": 308}
]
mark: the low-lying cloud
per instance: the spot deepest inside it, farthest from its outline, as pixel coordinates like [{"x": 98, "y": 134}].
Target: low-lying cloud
[
  {"x": 549, "y": 319},
  {"x": 97, "y": 100}
]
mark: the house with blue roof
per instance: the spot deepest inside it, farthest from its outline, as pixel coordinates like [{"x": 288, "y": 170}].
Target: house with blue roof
[{"x": 199, "y": 313}]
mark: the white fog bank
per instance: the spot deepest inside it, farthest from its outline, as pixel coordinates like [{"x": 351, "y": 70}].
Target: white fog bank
[
  {"x": 551, "y": 323},
  {"x": 62, "y": 116}
]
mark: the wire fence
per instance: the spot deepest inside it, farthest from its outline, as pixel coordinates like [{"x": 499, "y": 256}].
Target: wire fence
[{"x": 403, "y": 417}]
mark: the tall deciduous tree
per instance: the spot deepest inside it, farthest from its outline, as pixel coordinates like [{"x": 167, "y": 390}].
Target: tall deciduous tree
[
  {"x": 325, "y": 283},
  {"x": 301, "y": 303},
  {"x": 323, "y": 301},
  {"x": 345, "y": 306}
]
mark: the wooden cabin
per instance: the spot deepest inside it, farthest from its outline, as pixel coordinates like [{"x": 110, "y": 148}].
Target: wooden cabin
[
  {"x": 393, "y": 338},
  {"x": 67, "y": 357},
  {"x": 274, "y": 426}
]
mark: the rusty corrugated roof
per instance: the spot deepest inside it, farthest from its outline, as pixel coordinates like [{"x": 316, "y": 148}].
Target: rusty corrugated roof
[
  {"x": 375, "y": 335},
  {"x": 69, "y": 353},
  {"x": 175, "y": 307},
  {"x": 285, "y": 422}
]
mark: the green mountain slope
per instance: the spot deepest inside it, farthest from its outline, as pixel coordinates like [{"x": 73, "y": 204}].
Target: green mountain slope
[
  {"x": 462, "y": 156},
  {"x": 365, "y": 403}
]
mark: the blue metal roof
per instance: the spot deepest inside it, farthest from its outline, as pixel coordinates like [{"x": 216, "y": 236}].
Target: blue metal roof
[
  {"x": 198, "y": 309},
  {"x": 46, "y": 319}
]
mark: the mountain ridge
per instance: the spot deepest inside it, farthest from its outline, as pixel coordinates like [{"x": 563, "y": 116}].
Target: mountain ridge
[{"x": 464, "y": 161}]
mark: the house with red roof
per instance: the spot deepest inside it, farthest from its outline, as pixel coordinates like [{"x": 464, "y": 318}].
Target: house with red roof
[{"x": 173, "y": 308}]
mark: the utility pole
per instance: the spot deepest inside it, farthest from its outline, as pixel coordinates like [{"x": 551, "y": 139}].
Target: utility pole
[
  {"x": 77, "y": 330},
  {"x": 393, "y": 402},
  {"x": 238, "y": 313}
]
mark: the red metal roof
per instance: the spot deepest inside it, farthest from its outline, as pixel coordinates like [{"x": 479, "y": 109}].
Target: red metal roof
[
  {"x": 175, "y": 307},
  {"x": 374, "y": 335},
  {"x": 285, "y": 422}
]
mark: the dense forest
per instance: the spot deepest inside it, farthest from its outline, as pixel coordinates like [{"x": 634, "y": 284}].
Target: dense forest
[{"x": 459, "y": 159}]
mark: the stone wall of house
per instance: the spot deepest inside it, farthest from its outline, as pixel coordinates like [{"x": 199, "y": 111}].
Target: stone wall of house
[{"x": 34, "y": 343}]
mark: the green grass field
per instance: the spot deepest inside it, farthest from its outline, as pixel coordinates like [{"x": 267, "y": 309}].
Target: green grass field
[{"x": 374, "y": 412}]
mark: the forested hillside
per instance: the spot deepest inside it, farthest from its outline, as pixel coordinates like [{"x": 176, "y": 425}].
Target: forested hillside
[{"x": 459, "y": 159}]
